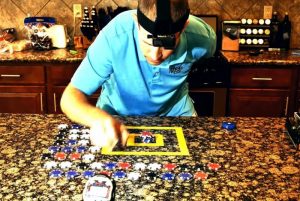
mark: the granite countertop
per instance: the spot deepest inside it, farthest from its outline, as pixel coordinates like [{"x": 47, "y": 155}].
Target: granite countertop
[
  {"x": 55, "y": 55},
  {"x": 265, "y": 58},
  {"x": 258, "y": 162}
]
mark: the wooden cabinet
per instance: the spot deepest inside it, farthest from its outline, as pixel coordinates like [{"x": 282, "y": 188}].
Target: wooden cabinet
[
  {"x": 260, "y": 91},
  {"x": 22, "y": 89}
]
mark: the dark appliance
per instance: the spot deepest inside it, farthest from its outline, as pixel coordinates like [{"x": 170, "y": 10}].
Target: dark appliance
[{"x": 209, "y": 79}]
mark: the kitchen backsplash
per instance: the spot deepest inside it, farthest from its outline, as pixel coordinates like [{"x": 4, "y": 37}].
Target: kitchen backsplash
[{"x": 13, "y": 12}]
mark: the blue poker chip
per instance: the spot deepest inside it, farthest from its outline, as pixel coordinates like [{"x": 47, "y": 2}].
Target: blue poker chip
[
  {"x": 53, "y": 149},
  {"x": 185, "y": 176},
  {"x": 168, "y": 176},
  {"x": 72, "y": 142},
  {"x": 72, "y": 174},
  {"x": 81, "y": 149},
  {"x": 110, "y": 166},
  {"x": 228, "y": 125},
  {"x": 88, "y": 174},
  {"x": 67, "y": 149},
  {"x": 76, "y": 126},
  {"x": 56, "y": 173},
  {"x": 119, "y": 175}
]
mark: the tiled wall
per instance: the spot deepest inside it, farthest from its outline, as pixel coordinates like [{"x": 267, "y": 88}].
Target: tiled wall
[{"x": 13, "y": 12}]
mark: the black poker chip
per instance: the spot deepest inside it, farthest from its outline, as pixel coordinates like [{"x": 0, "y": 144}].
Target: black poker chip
[
  {"x": 58, "y": 142},
  {"x": 46, "y": 156},
  {"x": 199, "y": 167},
  {"x": 83, "y": 166},
  {"x": 184, "y": 167},
  {"x": 151, "y": 176}
]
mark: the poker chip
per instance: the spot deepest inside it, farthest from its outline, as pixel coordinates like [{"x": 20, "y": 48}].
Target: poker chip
[
  {"x": 110, "y": 166},
  {"x": 73, "y": 136},
  {"x": 107, "y": 173},
  {"x": 139, "y": 166},
  {"x": 88, "y": 174},
  {"x": 85, "y": 131},
  {"x": 185, "y": 176},
  {"x": 96, "y": 165},
  {"x": 74, "y": 131},
  {"x": 60, "y": 156},
  {"x": 82, "y": 165},
  {"x": 184, "y": 167},
  {"x": 147, "y": 137},
  {"x": 85, "y": 136},
  {"x": 199, "y": 167},
  {"x": 76, "y": 126},
  {"x": 58, "y": 142},
  {"x": 67, "y": 149},
  {"x": 133, "y": 175},
  {"x": 60, "y": 136},
  {"x": 88, "y": 158},
  {"x": 83, "y": 142},
  {"x": 119, "y": 175},
  {"x": 200, "y": 175},
  {"x": 154, "y": 166},
  {"x": 81, "y": 149},
  {"x": 62, "y": 126},
  {"x": 94, "y": 149},
  {"x": 72, "y": 174},
  {"x": 213, "y": 166},
  {"x": 169, "y": 166},
  {"x": 228, "y": 125},
  {"x": 53, "y": 149},
  {"x": 75, "y": 156},
  {"x": 72, "y": 142},
  {"x": 151, "y": 176},
  {"x": 124, "y": 165},
  {"x": 50, "y": 165},
  {"x": 56, "y": 173},
  {"x": 46, "y": 156},
  {"x": 168, "y": 176},
  {"x": 65, "y": 165}
]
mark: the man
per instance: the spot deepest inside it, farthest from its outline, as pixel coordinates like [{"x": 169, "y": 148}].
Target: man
[{"x": 141, "y": 59}]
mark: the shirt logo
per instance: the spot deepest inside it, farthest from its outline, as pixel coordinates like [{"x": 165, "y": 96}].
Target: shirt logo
[{"x": 175, "y": 69}]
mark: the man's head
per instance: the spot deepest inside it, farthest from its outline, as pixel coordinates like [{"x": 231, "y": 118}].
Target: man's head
[{"x": 160, "y": 24}]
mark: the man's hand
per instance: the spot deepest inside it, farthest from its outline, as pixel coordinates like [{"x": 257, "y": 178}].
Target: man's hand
[{"x": 108, "y": 133}]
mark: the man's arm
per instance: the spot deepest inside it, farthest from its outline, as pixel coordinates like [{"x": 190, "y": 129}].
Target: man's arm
[{"x": 105, "y": 130}]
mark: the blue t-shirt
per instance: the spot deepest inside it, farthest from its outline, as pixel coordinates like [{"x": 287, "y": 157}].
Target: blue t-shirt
[{"x": 132, "y": 86}]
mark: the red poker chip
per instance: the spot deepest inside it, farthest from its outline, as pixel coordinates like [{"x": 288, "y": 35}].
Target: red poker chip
[
  {"x": 107, "y": 173},
  {"x": 124, "y": 165},
  {"x": 200, "y": 175},
  {"x": 170, "y": 166},
  {"x": 60, "y": 156},
  {"x": 75, "y": 156},
  {"x": 213, "y": 166}
]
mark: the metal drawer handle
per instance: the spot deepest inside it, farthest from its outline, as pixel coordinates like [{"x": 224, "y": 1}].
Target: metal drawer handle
[
  {"x": 10, "y": 75},
  {"x": 262, "y": 78}
]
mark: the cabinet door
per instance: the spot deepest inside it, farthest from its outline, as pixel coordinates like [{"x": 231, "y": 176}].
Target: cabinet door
[
  {"x": 258, "y": 102},
  {"x": 22, "y": 99},
  {"x": 54, "y": 97}
]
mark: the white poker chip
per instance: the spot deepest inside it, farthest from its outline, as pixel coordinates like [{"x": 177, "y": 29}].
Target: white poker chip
[
  {"x": 94, "y": 149},
  {"x": 154, "y": 166},
  {"x": 85, "y": 136},
  {"x": 85, "y": 131},
  {"x": 50, "y": 165},
  {"x": 74, "y": 131},
  {"x": 73, "y": 136},
  {"x": 65, "y": 165},
  {"x": 139, "y": 166},
  {"x": 88, "y": 158},
  {"x": 96, "y": 166},
  {"x": 133, "y": 175},
  {"x": 84, "y": 142},
  {"x": 62, "y": 126}
]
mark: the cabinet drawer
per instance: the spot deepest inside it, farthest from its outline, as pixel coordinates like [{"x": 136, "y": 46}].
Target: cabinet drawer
[
  {"x": 261, "y": 77},
  {"x": 60, "y": 75},
  {"x": 22, "y": 75}
]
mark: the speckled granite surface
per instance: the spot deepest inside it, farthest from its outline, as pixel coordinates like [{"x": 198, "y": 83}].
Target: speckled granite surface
[
  {"x": 265, "y": 58},
  {"x": 56, "y": 55},
  {"x": 258, "y": 161}
]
